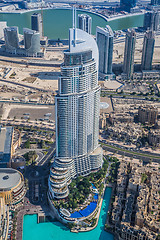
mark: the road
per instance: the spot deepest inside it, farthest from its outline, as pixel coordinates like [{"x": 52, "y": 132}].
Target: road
[
  {"x": 25, "y": 150},
  {"x": 136, "y": 97},
  {"x": 48, "y": 156},
  {"x": 138, "y": 155},
  {"x": 41, "y": 159},
  {"x": 39, "y": 153},
  {"x": 25, "y": 86},
  {"x": 47, "y": 126}
]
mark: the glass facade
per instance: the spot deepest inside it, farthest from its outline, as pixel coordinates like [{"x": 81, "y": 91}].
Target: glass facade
[
  {"x": 77, "y": 116},
  {"x": 104, "y": 37}
]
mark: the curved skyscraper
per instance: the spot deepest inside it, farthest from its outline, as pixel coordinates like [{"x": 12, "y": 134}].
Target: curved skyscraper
[
  {"x": 31, "y": 41},
  {"x": 77, "y": 115},
  {"x": 11, "y": 39},
  {"x": 104, "y": 37}
]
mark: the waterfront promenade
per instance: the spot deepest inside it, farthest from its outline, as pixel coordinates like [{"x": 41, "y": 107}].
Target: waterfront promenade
[{"x": 28, "y": 209}]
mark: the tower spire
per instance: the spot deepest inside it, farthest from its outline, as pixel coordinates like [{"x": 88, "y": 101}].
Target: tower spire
[
  {"x": 74, "y": 25},
  {"x": 73, "y": 19}
]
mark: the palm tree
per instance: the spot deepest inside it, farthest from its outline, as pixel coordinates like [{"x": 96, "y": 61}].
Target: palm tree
[{"x": 131, "y": 158}]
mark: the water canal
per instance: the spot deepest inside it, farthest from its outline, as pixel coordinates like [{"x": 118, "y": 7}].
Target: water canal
[{"x": 58, "y": 21}]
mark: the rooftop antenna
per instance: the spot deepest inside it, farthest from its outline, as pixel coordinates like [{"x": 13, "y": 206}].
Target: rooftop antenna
[
  {"x": 42, "y": 21},
  {"x": 74, "y": 26},
  {"x": 73, "y": 19}
]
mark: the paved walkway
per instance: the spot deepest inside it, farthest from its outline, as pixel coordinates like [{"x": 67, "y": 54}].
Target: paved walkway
[{"x": 28, "y": 208}]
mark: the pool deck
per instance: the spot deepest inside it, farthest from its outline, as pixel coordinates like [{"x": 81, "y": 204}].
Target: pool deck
[
  {"x": 98, "y": 214},
  {"x": 87, "y": 229}
]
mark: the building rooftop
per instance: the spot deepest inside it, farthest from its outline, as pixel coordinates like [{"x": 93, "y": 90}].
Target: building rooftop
[
  {"x": 5, "y": 139},
  {"x": 29, "y": 31},
  {"x": 4, "y": 4},
  {"x": 9, "y": 178},
  {"x": 97, "y": 151},
  {"x": 36, "y": 14}
]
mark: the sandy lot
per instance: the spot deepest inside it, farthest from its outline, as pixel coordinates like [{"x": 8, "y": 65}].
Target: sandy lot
[
  {"x": 35, "y": 112},
  {"x": 41, "y": 79},
  {"x": 107, "y": 100}
]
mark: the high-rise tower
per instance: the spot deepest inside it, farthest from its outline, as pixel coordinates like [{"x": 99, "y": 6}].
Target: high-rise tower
[
  {"x": 148, "y": 50},
  {"x": 36, "y": 23},
  {"x": 31, "y": 41},
  {"x": 85, "y": 23},
  {"x": 128, "y": 66},
  {"x": 155, "y": 2},
  {"x": 104, "y": 38},
  {"x": 128, "y": 4},
  {"x": 77, "y": 114},
  {"x": 151, "y": 20},
  {"x": 2, "y": 26},
  {"x": 11, "y": 39}
]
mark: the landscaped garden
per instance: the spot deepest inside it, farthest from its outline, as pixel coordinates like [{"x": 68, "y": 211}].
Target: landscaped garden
[{"x": 81, "y": 191}]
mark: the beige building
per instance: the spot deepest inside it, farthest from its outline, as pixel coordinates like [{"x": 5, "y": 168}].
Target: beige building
[
  {"x": 11, "y": 186},
  {"x": 154, "y": 137},
  {"x": 147, "y": 114},
  {"x": 102, "y": 121},
  {"x": 4, "y": 219},
  {"x": 138, "y": 197}
]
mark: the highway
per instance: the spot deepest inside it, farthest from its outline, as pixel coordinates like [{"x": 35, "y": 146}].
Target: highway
[
  {"x": 136, "y": 97},
  {"x": 144, "y": 156}
]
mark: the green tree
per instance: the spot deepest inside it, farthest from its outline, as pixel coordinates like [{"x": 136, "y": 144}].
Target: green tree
[{"x": 27, "y": 144}]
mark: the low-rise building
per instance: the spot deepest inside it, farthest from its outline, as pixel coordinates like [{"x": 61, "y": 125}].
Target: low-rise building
[
  {"x": 12, "y": 187},
  {"x": 135, "y": 212},
  {"x": 4, "y": 219},
  {"x": 6, "y": 140},
  {"x": 129, "y": 132},
  {"x": 102, "y": 121},
  {"x": 154, "y": 137},
  {"x": 10, "y": 139}
]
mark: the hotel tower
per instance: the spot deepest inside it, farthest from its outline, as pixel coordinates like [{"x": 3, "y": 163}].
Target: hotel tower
[{"x": 77, "y": 114}]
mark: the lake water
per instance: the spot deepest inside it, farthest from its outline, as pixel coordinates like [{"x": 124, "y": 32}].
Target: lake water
[
  {"x": 58, "y": 21},
  {"x": 57, "y": 231}
]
